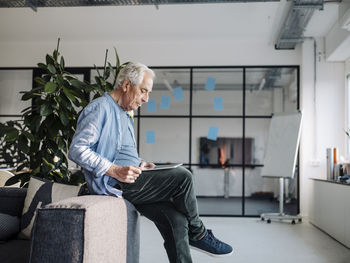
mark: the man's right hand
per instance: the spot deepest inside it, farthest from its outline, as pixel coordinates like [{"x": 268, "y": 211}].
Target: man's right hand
[{"x": 125, "y": 174}]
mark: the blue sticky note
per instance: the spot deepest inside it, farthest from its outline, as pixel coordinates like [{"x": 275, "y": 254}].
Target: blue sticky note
[
  {"x": 210, "y": 84},
  {"x": 213, "y": 133},
  {"x": 165, "y": 102},
  {"x": 178, "y": 95},
  {"x": 150, "y": 137},
  {"x": 151, "y": 106},
  {"x": 218, "y": 105}
]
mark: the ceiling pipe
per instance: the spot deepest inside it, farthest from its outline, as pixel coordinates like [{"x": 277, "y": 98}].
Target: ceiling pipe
[
  {"x": 34, "y": 4},
  {"x": 296, "y": 21}
]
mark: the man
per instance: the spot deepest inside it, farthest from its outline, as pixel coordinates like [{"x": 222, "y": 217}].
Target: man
[{"x": 104, "y": 146}]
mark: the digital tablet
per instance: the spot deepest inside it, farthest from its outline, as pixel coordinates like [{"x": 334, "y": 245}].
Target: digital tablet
[{"x": 163, "y": 167}]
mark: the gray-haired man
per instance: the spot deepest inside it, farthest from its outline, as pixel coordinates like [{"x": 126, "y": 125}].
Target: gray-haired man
[{"x": 104, "y": 146}]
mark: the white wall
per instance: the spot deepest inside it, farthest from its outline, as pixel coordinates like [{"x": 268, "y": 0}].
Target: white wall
[
  {"x": 323, "y": 126},
  {"x": 173, "y": 53}
]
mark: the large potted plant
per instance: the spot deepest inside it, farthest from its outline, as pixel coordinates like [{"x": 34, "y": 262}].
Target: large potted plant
[{"x": 37, "y": 145}]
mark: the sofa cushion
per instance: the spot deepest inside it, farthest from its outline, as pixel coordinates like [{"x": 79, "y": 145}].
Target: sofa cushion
[
  {"x": 93, "y": 228},
  {"x": 41, "y": 192},
  {"x": 12, "y": 200},
  {"x": 4, "y": 179},
  {"x": 9, "y": 226},
  {"x": 15, "y": 251}
]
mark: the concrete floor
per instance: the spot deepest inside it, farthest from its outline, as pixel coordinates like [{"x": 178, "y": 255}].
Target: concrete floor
[{"x": 254, "y": 241}]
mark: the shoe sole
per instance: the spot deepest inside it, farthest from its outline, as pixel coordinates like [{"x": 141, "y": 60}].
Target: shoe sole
[{"x": 211, "y": 254}]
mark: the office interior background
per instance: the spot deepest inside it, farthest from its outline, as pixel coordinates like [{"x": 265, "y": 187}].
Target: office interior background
[{"x": 238, "y": 45}]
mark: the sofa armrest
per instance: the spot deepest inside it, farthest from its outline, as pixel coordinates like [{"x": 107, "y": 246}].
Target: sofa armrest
[
  {"x": 12, "y": 200},
  {"x": 89, "y": 229}
]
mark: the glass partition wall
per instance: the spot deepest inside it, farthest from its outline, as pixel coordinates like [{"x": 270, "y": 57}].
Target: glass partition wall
[
  {"x": 12, "y": 81},
  {"x": 215, "y": 120}
]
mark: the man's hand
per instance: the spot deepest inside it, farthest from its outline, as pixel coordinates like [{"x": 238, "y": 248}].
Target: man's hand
[
  {"x": 146, "y": 165},
  {"x": 125, "y": 174}
]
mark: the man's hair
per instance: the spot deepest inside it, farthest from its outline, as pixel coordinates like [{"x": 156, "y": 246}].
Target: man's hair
[{"x": 134, "y": 72}]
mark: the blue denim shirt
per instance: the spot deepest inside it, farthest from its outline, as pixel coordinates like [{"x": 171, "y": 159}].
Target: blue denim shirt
[{"x": 97, "y": 142}]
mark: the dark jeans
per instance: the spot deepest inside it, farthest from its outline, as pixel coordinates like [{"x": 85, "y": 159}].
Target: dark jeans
[{"x": 167, "y": 198}]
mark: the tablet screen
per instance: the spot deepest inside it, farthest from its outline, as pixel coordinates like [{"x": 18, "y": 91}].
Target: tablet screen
[{"x": 163, "y": 167}]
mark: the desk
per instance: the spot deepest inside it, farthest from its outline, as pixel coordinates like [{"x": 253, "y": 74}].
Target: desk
[{"x": 330, "y": 209}]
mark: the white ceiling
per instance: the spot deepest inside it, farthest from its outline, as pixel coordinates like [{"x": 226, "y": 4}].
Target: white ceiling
[
  {"x": 322, "y": 21},
  {"x": 234, "y": 21}
]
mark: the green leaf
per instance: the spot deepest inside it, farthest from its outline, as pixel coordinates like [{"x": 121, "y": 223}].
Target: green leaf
[
  {"x": 109, "y": 87},
  {"x": 117, "y": 58},
  {"x": 20, "y": 168},
  {"x": 69, "y": 94},
  {"x": 64, "y": 118},
  {"x": 6, "y": 129},
  {"x": 77, "y": 93},
  {"x": 39, "y": 81},
  {"x": 13, "y": 180},
  {"x": 11, "y": 136},
  {"x": 51, "y": 127},
  {"x": 49, "y": 165},
  {"x": 45, "y": 109},
  {"x": 49, "y": 60},
  {"x": 83, "y": 103},
  {"x": 61, "y": 144},
  {"x": 60, "y": 80},
  {"x": 70, "y": 78},
  {"x": 76, "y": 103},
  {"x": 55, "y": 54},
  {"x": 23, "y": 144},
  {"x": 46, "y": 78},
  {"x": 99, "y": 90},
  {"x": 98, "y": 72},
  {"x": 77, "y": 83},
  {"x": 62, "y": 63},
  {"x": 37, "y": 89},
  {"x": 58, "y": 174},
  {"x": 50, "y": 87},
  {"x": 42, "y": 66},
  {"x": 33, "y": 121},
  {"x": 29, "y": 135},
  {"x": 51, "y": 68},
  {"x": 111, "y": 69},
  {"x": 52, "y": 145},
  {"x": 28, "y": 96},
  {"x": 98, "y": 81},
  {"x": 36, "y": 170},
  {"x": 66, "y": 102}
]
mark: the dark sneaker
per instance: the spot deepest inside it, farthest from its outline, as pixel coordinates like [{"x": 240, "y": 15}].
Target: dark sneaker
[{"x": 212, "y": 246}]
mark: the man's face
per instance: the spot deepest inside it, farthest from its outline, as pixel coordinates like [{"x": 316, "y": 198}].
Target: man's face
[{"x": 135, "y": 96}]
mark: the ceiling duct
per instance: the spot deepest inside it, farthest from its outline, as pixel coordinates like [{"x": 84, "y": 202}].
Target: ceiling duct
[
  {"x": 296, "y": 21},
  {"x": 269, "y": 79},
  {"x": 68, "y": 3}
]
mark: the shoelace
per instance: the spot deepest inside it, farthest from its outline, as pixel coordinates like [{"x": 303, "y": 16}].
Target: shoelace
[{"x": 213, "y": 239}]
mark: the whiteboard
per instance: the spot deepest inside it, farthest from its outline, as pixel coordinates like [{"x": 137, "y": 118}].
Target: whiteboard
[{"x": 282, "y": 145}]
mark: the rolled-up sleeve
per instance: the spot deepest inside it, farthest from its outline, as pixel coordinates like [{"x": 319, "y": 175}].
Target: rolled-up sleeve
[{"x": 87, "y": 135}]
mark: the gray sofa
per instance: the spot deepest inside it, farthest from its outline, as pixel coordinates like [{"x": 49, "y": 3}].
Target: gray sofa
[{"x": 84, "y": 229}]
